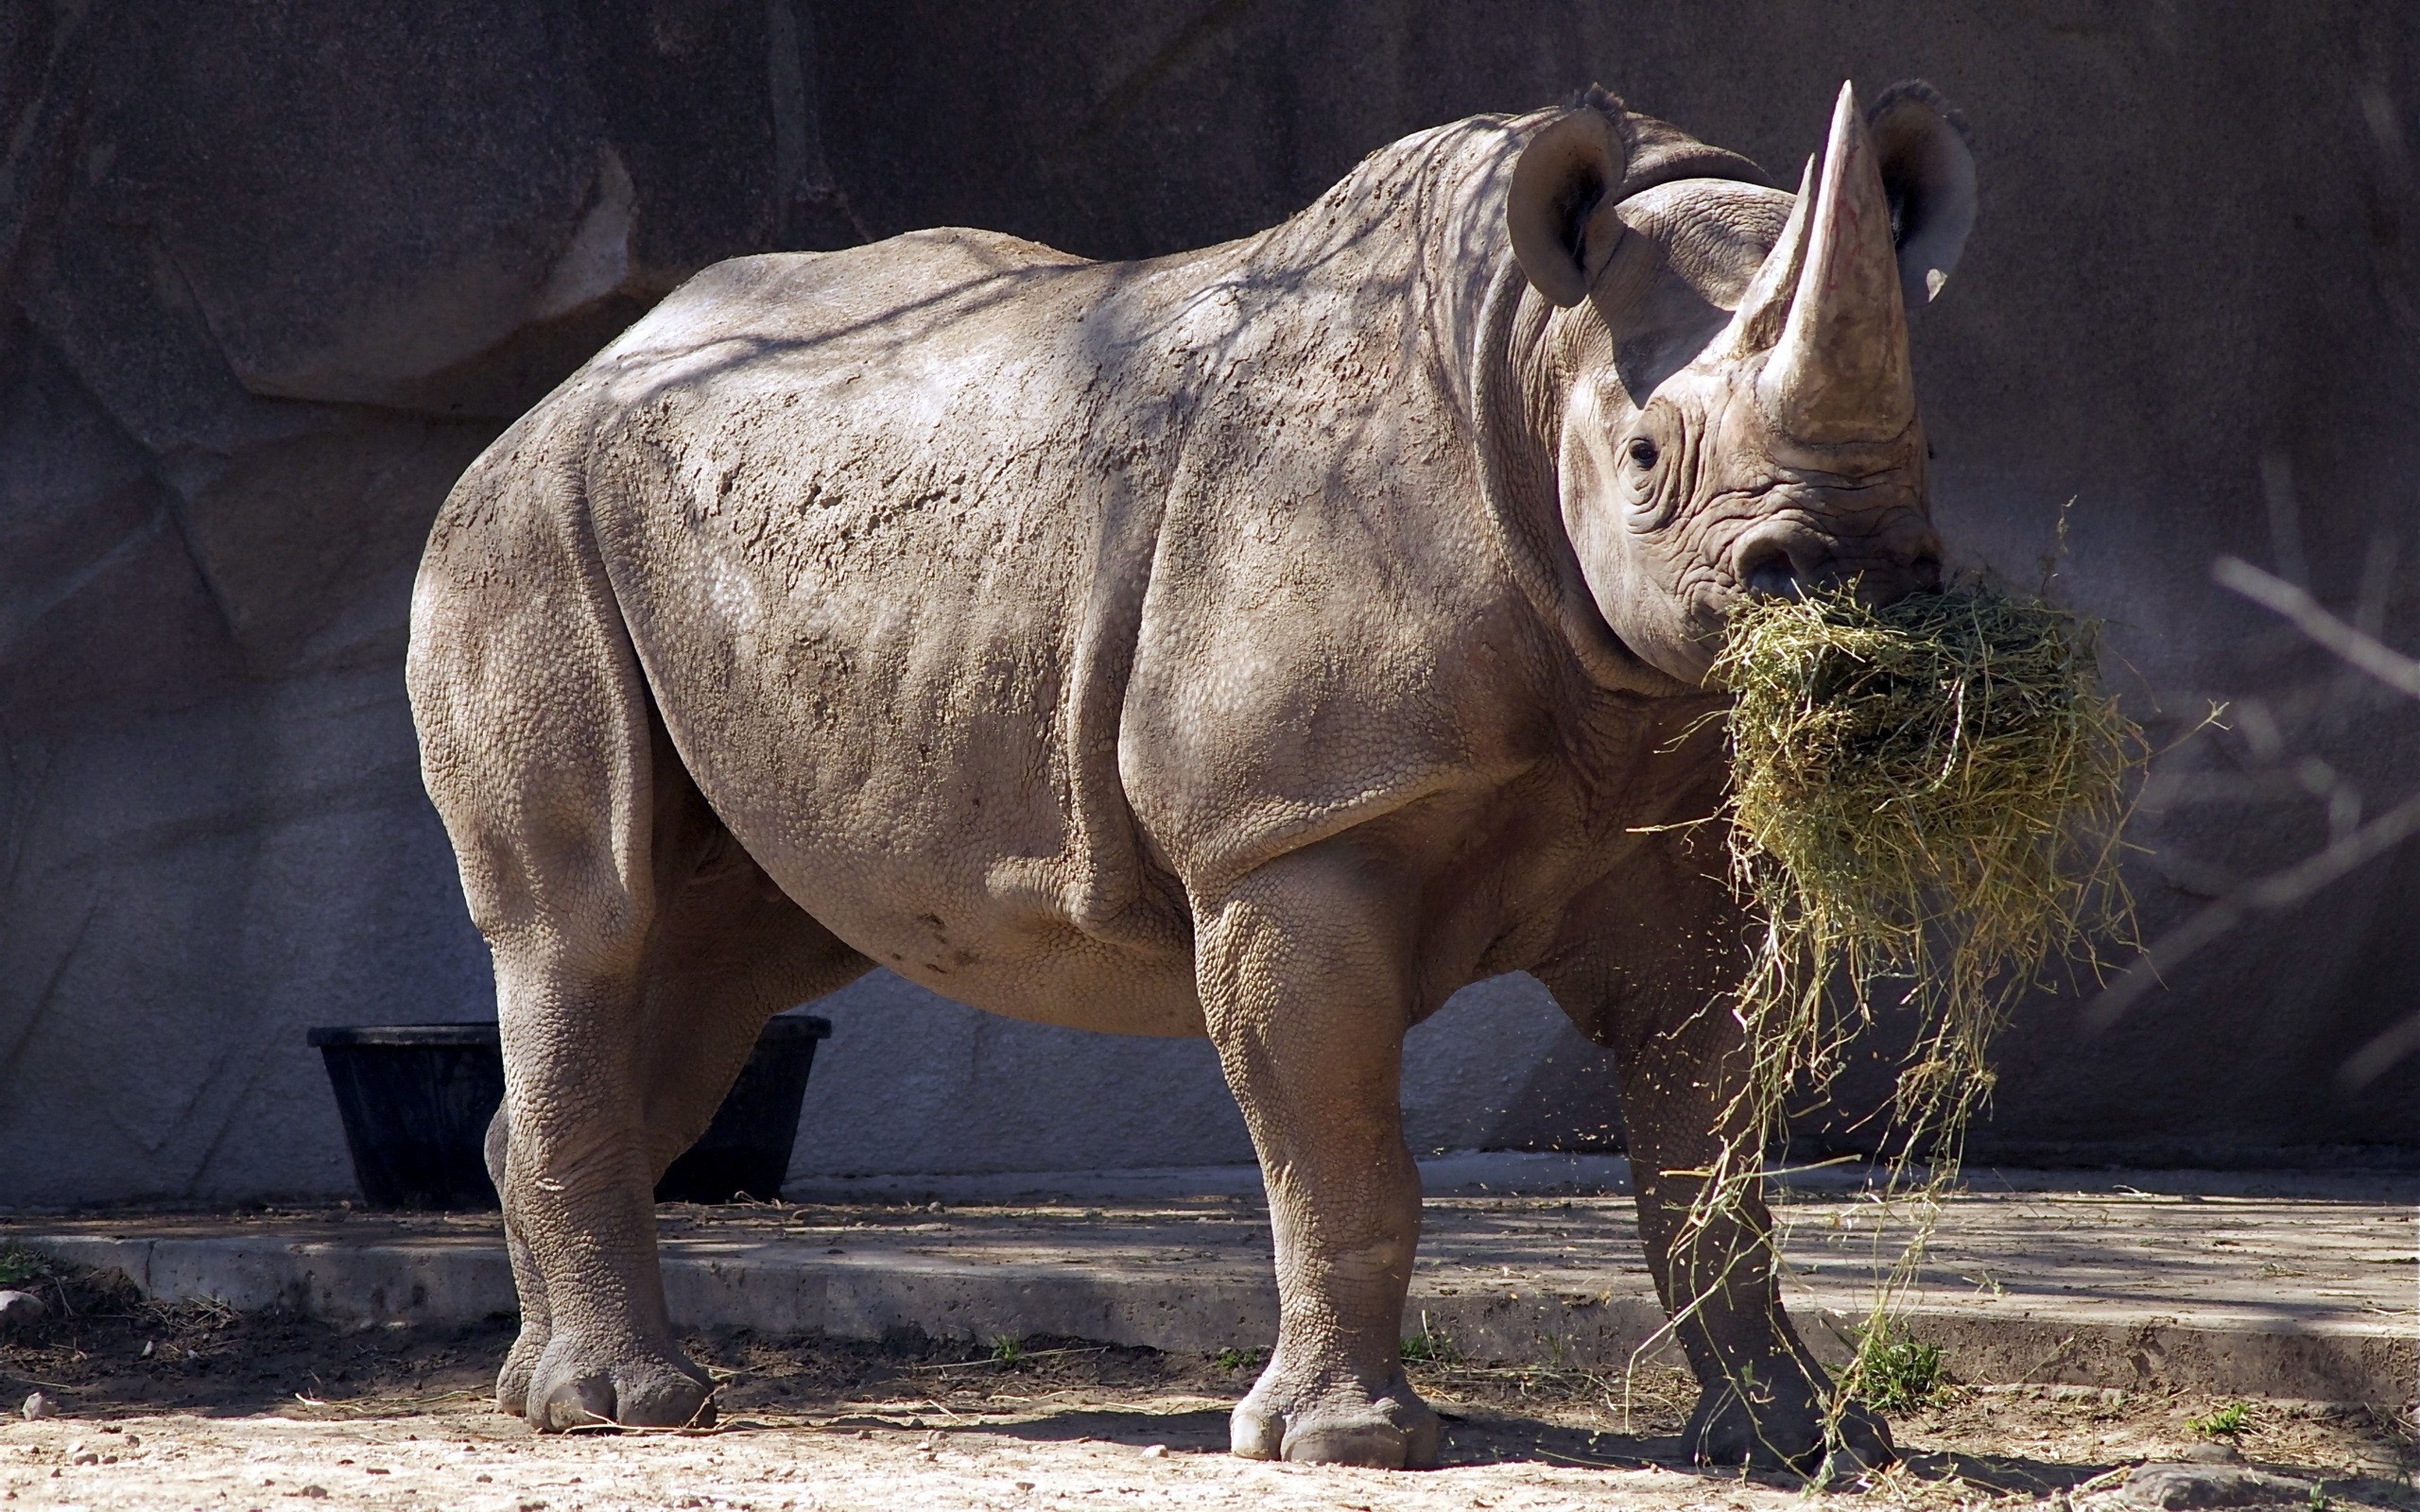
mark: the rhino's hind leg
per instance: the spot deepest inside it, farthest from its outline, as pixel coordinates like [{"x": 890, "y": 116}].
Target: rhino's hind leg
[
  {"x": 636, "y": 951},
  {"x": 1303, "y": 983},
  {"x": 725, "y": 951},
  {"x": 529, "y": 1284}
]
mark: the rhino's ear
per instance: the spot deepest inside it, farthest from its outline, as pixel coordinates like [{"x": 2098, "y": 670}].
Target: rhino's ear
[
  {"x": 1561, "y": 207},
  {"x": 1929, "y": 177}
]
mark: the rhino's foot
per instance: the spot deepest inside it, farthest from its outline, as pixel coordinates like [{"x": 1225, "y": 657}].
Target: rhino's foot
[
  {"x": 632, "y": 1388},
  {"x": 1787, "y": 1434},
  {"x": 520, "y": 1363},
  {"x": 1391, "y": 1429}
]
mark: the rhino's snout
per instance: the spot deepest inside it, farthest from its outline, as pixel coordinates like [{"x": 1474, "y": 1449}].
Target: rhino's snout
[{"x": 1783, "y": 559}]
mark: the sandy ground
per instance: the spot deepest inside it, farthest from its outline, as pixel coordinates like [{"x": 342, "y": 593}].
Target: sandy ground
[
  {"x": 1066, "y": 1448},
  {"x": 253, "y": 1412}
]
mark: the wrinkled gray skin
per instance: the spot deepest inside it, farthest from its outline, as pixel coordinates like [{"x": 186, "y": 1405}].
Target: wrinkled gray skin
[{"x": 1262, "y": 642}]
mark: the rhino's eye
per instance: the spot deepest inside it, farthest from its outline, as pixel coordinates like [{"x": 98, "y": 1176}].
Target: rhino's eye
[{"x": 1642, "y": 452}]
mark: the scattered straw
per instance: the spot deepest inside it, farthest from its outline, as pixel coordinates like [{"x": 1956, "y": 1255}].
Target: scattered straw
[{"x": 1924, "y": 813}]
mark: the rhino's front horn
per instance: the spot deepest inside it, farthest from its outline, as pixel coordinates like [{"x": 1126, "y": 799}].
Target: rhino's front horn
[{"x": 1839, "y": 371}]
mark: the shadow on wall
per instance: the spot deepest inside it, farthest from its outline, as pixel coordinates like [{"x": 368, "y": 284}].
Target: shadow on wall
[{"x": 270, "y": 274}]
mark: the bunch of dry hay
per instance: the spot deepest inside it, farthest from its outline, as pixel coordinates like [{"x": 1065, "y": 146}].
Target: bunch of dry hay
[
  {"x": 1925, "y": 807},
  {"x": 1927, "y": 793}
]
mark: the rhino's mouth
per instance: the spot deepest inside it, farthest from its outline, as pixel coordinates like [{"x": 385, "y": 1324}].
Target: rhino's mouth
[{"x": 1896, "y": 556}]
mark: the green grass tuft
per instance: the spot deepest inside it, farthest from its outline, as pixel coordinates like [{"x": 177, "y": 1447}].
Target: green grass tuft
[
  {"x": 1926, "y": 795},
  {"x": 20, "y": 1266},
  {"x": 2226, "y": 1422},
  {"x": 1893, "y": 1372},
  {"x": 1924, "y": 813},
  {"x": 1429, "y": 1347}
]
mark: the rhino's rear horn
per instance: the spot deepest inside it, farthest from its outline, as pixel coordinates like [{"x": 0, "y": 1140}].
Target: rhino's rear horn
[
  {"x": 1756, "y": 324},
  {"x": 1559, "y": 208},
  {"x": 1840, "y": 371}
]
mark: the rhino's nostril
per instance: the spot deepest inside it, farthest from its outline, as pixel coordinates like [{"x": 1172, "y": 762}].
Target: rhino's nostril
[
  {"x": 1768, "y": 570},
  {"x": 1926, "y": 570}
]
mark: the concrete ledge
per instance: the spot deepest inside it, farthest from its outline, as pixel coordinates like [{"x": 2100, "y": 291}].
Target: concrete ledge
[
  {"x": 2247, "y": 1296},
  {"x": 461, "y": 1282}
]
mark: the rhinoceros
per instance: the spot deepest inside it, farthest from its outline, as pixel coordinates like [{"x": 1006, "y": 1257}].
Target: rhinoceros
[{"x": 1261, "y": 643}]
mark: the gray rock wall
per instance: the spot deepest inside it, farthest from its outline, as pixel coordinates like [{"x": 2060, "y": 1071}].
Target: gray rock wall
[{"x": 271, "y": 273}]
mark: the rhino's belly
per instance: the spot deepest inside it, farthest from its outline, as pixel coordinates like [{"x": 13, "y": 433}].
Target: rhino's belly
[
  {"x": 1009, "y": 962},
  {"x": 923, "y": 864}
]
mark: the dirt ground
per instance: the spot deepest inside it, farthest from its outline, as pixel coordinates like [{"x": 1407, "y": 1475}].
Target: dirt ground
[{"x": 193, "y": 1407}]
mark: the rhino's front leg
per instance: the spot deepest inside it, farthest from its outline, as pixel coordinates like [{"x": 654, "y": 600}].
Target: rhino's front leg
[
  {"x": 1764, "y": 1398},
  {"x": 1303, "y": 982}
]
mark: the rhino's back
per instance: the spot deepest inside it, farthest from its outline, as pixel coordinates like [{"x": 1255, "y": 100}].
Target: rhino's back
[{"x": 879, "y": 523}]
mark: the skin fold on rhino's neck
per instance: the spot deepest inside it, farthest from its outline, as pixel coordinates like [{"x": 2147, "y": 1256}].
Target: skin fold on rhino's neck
[
  {"x": 1642, "y": 745},
  {"x": 1519, "y": 404}
]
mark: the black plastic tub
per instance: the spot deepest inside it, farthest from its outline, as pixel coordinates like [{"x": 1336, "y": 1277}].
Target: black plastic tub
[{"x": 416, "y": 1100}]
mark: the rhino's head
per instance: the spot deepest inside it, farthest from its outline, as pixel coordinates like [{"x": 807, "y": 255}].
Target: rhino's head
[{"x": 1736, "y": 412}]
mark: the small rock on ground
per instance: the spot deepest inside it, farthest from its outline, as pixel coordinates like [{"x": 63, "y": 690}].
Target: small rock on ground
[
  {"x": 2173, "y": 1487},
  {"x": 21, "y": 1310}
]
